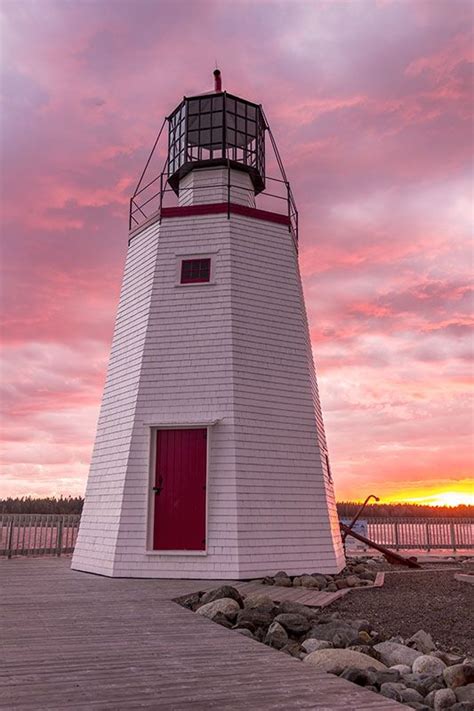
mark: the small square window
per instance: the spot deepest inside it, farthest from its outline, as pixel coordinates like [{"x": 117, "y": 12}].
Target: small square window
[{"x": 195, "y": 271}]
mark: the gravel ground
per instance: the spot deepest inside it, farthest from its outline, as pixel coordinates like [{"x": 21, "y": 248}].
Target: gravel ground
[{"x": 428, "y": 599}]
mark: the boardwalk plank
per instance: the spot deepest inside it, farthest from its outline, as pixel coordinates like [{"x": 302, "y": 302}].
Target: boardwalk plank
[{"x": 75, "y": 641}]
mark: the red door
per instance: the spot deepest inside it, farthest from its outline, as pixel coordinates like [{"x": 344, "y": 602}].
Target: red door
[{"x": 180, "y": 490}]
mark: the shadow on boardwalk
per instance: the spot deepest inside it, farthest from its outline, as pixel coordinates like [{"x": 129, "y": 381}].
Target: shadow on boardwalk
[{"x": 77, "y": 641}]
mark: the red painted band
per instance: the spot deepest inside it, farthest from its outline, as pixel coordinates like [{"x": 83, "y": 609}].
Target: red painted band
[{"x": 222, "y": 207}]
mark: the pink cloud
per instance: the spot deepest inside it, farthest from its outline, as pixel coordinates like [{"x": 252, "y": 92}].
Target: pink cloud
[{"x": 370, "y": 103}]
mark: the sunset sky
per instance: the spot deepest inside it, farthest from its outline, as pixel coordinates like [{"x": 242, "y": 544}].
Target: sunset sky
[{"x": 370, "y": 104}]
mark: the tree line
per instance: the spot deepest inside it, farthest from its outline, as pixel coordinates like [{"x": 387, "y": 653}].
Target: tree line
[
  {"x": 345, "y": 509},
  {"x": 348, "y": 509}
]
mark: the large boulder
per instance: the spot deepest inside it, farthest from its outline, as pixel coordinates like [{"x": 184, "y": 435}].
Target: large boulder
[
  {"x": 458, "y": 675},
  {"x": 226, "y": 605},
  {"x": 276, "y": 636},
  {"x": 224, "y": 591},
  {"x": 392, "y": 653},
  {"x": 336, "y": 660},
  {"x": 293, "y": 623},
  {"x": 428, "y": 665}
]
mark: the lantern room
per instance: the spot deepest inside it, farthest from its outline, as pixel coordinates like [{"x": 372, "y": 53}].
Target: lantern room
[{"x": 216, "y": 129}]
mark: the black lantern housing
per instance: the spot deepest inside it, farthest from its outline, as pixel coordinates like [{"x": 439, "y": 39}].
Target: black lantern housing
[{"x": 216, "y": 129}]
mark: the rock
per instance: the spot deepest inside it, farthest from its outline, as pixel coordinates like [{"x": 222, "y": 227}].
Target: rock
[
  {"x": 429, "y": 698},
  {"x": 364, "y": 649},
  {"x": 387, "y": 676},
  {"x": 312, "y": 645},
  {"x": 368, "y": 575},
  {"x": 341, "y": 583},
  {"x": 320, "y": 579},
  {"x": 361, "y": 625},
  {"x": 224, "y": 591},
  {"x": 298, "y": 609},
  {"x": 283, "y": 582},
  {"x": 281, "y": 574},
  {"x": 422, "y": 641},
  {"x": 359, "y": 568},
  {"x": 221, "y": 619},
  {"x": 462, "y": 706},
  {"x": 336, "y": 660},
  {"x": 307, "y": 581},
  {"x": 292, "y": 648},
  {"x": 411, "y": 695},
  {"x": 364, "y": 637},
  {"x": 449, "y": 658},
  {"x": 362, "y": 677},
  {"x": 424, "y": 683},
  {"x": 268, "y": 581},
  {"x": 401, "y": 668},
  {"x": 191, "y": 602},
  {"x": 256, "y": 617},
  {"x": 352, "y": 581},
  {"x": 465, "y": 693},
  {"x": 392, "y": 653},
  {"x": 337, "y": 632},
  {"x": 226, "y": 605},
  {"x": 293, "y": 623},
  {"x": 392, "y": 690},
  {"x": 257, "y": 601},
  {"x": 297, "y": 581},
  {"x": 331, "y": 587},
  {"x": 443, "y": 699},
  {"x": 458, "y": 675},
  {"x": 244, "y": 632},
  {"x": 417, "y": 706},
  {"x": 428, "y": 665},
  {"x": 276, "y": 636}
]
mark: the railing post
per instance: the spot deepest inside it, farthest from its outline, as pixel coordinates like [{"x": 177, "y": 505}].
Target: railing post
[
  {"x": 428, "y": 542},
  {"x": 397, "y": 540},
  {"x": 228, "y": 189},
  {"x": 59, "y": 537},
  {"x": 453, "y": 535},
  {"x": 10, "y": 538}
]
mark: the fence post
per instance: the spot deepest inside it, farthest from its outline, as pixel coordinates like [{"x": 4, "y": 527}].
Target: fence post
[
  {"x": 10, "y": 537},
  {"x": 428, "y": 542},
  {"x": 397, "y": 540},
  {"x": 453, "y": 535},
  {"x": 59, "y": 537}
]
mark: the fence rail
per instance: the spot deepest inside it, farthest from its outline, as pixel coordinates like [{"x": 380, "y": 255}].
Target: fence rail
[
  {"x": 38, "y": 534},
  {"x": 422, "y": 533}
]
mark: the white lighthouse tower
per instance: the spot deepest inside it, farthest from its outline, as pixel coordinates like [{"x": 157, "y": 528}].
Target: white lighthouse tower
[{"x": 210, "y": 459}]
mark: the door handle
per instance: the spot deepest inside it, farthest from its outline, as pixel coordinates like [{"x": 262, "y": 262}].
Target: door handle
[{"x": 157, "y": 489}]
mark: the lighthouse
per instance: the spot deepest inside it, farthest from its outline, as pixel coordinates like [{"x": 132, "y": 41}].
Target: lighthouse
[{"x": 210, "y": 459}]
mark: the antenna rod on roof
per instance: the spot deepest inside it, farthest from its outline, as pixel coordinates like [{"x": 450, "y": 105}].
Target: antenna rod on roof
[{"x": 217, "y": 80}]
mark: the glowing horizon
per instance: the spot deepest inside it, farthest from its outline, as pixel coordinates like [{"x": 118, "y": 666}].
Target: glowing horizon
[{"x": 371, "y": 106}]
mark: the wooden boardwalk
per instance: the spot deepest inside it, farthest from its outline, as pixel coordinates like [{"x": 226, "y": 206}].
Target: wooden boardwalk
[{"x": 70, "y": 640}]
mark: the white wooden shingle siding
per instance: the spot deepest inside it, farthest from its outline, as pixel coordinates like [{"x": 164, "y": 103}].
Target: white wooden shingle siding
[{"x": 235, "y": 352}]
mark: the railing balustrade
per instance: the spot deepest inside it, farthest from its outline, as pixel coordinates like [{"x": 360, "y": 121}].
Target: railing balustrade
[
  {"x": 38, "y": 534},
  {"x": 55, "y": 534}
]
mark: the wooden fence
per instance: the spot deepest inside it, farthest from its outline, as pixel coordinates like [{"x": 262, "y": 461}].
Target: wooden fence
[
  {"x": 38, "y": 534},
  {"x": 53, "y": 534},
  {"x": 422, "y": 533}
]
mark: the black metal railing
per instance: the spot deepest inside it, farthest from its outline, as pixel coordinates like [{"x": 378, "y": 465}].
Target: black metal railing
[{"x": 149, "y": 200}]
